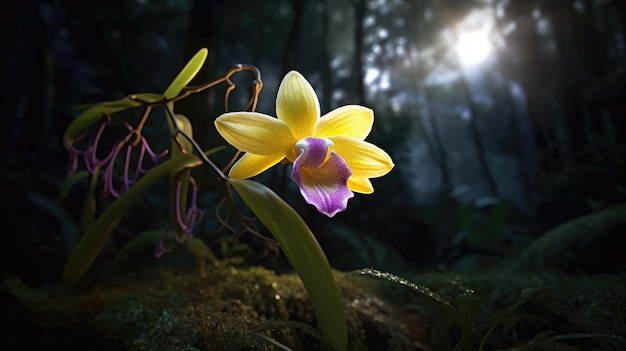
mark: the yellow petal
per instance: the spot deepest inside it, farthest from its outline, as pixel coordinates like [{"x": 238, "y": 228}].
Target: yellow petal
[
  {"x": 360, "y": 185},
  {"x": 256, "y": 133},
  {"x": 250, "y": 165},
  {"x": 351, "y": 120},
  {"x": 364, "y": 159},
  {"x": 297, "y": 105}
]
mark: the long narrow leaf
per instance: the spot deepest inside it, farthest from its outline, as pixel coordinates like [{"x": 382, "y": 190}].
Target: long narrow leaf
[
  {"x": 468, "y": 307},
  {"x": 436, "y": 300},
  {"x": 305, "y": 255},
  {"x": 91, "y": 243},
  {"x": 88, "y": 214},
  {"x": 186, "y": 74},
  {"x": 71, "y": 180},
  {"x": 501, "y": 315},
  {"x": 94, "y": 113}
]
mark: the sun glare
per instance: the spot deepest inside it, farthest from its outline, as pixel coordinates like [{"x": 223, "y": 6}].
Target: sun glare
[{"x": 473, "y": 47}]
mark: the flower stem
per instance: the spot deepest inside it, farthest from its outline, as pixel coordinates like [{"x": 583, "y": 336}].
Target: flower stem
[{"x": 194, "y": 143}]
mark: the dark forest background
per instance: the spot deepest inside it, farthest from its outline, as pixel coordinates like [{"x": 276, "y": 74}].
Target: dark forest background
[{"x": 488, "y": 154}]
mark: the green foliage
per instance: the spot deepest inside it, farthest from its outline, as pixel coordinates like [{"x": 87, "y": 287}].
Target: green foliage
[
  {"x": 151, "y": 238},
  {"x": 186, "y": 74},
  {"x": 98, "y": 111},
  {"x": 296, "y": 239},
  {"x": 547, "y": 340},
  {"x": 146, "y": 238},
  {"x": 72, "y": 180},
  {"x": 182, "y": 160},
  {"x": 91, "y": 242},
  {"x": 303, "y": 252},
  {"x": 483, "y": 225},
  {"x": 464, "y": 314}
]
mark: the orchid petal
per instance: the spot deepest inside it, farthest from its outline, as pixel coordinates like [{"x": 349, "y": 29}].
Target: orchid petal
[
  {"x": 297, "y": 105},
  {"x": 250, "y": 165},
  {"x": 364, "y": 159},
  {"x": 360, "y": 185},
  {"x": 351, "y": 120},
  {"x": 325, "y": 186},
  {"x": 256, "y": 133}
]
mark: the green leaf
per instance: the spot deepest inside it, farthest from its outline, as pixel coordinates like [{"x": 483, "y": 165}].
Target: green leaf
[
  {"x": 186, "y": 75},
  {"x": 501, "y": 315},
  {"x": 147, "y": 238},
  {"x": 180, "y": 146},
  {"x": 492, "y": 322},
  {"x": 91, "y": 242},
  {"x": 88, "y": 214},
  {"x": 184, "y": 124},
  {"x": 95, "y": 113},
  {"x": 436, "y": 300},
  {"x": 468, "y": 307},
  {"x": 71, "y": 180},
  {"x": 497, "y": 220},
  {"x": 305, "y": 255}
]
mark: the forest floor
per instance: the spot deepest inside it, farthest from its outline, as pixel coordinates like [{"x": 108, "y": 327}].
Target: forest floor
[{"x": 565, "y": 291}]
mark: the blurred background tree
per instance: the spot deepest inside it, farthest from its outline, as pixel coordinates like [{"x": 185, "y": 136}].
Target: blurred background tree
[{"x": 479, "y": 102}]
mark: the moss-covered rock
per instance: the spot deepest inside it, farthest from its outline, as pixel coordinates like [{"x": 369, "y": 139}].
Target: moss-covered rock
[
  {"x": 589, "y": 244},
  {"x": 578, "y": 266},
  {"x": 228, "y": 309}
]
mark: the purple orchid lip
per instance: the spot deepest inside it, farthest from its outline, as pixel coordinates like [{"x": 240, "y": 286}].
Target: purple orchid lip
[
  {"x": 322, "y": 175},
  {"x": 314, "y": 151}
]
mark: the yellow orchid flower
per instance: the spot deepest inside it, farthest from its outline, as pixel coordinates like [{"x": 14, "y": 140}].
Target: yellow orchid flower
[{"x": 330, "y": 156}]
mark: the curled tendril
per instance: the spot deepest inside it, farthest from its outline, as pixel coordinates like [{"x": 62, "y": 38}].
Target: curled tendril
[
  {"x": 238, "y": 224},
  {"x": 161, "y": 250},
  {"x": 185, "y": 222},
  {"x": 257, "y": 86},
  {"x": 193, "y": 214},
  {"x": 93, "y": 163},
  {"x": 228, "y": 215},
  {"x": 89, "y": 154}
]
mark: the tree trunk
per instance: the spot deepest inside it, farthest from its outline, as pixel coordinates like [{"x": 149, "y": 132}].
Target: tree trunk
[
  {"x": 434, "y": 143},
  {"x": 204, "y": 31},
  {"x": 359, "y": 14},
  {"x": 327, "y": 88},
  {"x": 289, "y": 58}
]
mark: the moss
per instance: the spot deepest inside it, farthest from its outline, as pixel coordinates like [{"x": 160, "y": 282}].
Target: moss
[
  {"x": 589, "y": 244},
  {"x": 231, "y": 307},
  {"x": 579, "y": 264},
  {"x": 226, "y": 309}
]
